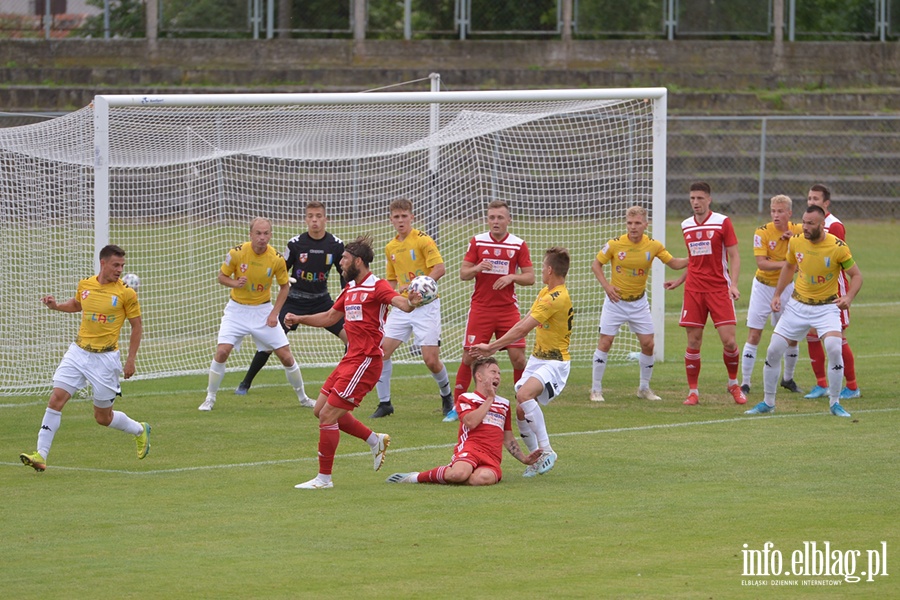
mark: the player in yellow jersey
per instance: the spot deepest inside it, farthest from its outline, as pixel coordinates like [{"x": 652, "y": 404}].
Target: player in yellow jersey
[
  {"x": 412, "y": 253},
  {"x": 249, "y": 270},
  {"x": 548, "y": 366},
  {"x": 105, "y": 303},
  {"x": 629, "y": 257},
  {"x": 817, "y": 258},
  {"x": 770, "y": 244}
]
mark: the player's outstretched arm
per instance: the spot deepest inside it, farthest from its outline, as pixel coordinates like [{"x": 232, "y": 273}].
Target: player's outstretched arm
[
  {"x": 409, "y": 303},
  {"x": 512, "y": 446},
  {"x": 517, "y": 332},
  {"x": 322, "y": 319},
  {"x": 677, "y": 263},
  {"x": 71, "y": 305}
]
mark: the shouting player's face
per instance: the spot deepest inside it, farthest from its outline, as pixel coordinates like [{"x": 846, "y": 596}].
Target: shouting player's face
[
  {"x": 813, "y": 226},
  {"x": 636, "y": 226},
  {"x": 781, "y": 214},
  {"x": 488, "y": 378},
  {"x": 498, "y": 221}
]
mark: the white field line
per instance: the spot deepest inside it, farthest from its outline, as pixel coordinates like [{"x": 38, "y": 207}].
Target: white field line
[{"x": 367, "y": 453}]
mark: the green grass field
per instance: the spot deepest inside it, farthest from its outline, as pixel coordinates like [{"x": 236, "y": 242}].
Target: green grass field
[{"x": 648, "y": 499}]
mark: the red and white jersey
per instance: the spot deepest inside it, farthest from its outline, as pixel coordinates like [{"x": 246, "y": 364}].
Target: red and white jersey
[
  {"x": 834, "y": 226},
  {"x": 488, "y": 436},
  {"x": 707, "y": 259},
  {"x": 505, "y": 257},
  {"x": 365, "y": 307}
]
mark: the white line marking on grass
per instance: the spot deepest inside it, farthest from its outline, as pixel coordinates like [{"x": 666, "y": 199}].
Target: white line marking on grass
[{"x": 368, "y": 453}]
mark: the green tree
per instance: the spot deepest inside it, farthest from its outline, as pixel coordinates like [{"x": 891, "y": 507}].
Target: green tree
[{"x": 126, "y": 20}]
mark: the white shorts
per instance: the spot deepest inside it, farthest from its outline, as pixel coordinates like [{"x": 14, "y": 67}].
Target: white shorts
[
  {"x": 101, "y": 369},
  {"x": 761, "y": 304},
  {"x": 552, "y": 373},
  {"x": 636, "y": 313},
  {"x": 239, "y": 320},
  {"x": 424, "y": 323},
  {"x": 798, "y": 318}
]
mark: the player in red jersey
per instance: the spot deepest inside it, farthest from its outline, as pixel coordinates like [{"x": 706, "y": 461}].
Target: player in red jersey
[
  {"x": 710, "y": 288},
  {"x": 497, "y": 261},
  {"x": 485, "y": 428},
  {"x": 820, "y": 195},
  {"x": 363, "y": 303}
]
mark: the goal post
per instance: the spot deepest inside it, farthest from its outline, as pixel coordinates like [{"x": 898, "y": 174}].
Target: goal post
[{"x": 175, "y": 180}]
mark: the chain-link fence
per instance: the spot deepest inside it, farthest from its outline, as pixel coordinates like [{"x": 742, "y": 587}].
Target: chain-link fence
[
  {"x": 409, "y": 19},
  {"x": 747, "y": 160}
]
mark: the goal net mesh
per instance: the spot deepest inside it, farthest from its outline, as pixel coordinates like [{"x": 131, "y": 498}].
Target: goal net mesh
[{"x": 184, "y": 183}]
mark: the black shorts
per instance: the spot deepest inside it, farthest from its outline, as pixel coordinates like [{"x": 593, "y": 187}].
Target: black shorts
[{"x": 303, "y": 306}]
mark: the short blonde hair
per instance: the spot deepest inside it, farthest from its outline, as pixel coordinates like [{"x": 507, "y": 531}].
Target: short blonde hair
[
  {"x": 636, "y": 211},
  {"x": 781, "y": 199},
  {"x": 401, "y": 205}
]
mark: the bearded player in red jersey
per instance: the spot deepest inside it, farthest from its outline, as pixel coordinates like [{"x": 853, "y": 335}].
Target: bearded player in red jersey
[
  {"x": 710, "y": 289},
  {"x": 363, "y": 303}
]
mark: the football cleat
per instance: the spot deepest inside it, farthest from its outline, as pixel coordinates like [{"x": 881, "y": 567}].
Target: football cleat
[
  {"x": 403, "y": 478},
  {"x": 817, "y": 392},
  {"x": 34, "y": 460},
  {"x": 692, "y": 399},
  {"x": 597, "y": 396},
  {"x": 647, "y": 394},
  {"x": 446, "y": 404},
  {"x": 207, "y": 404},
  {"x": 548, "y": 459},
  {"x": 745, "y": 388},
  {"x": 531, "y": 470},
  {"x": 760, "y": 409},
  {"x": 737, "y": 394},
  {"x": 451, "y": 417},
  {"x": 241, "y": 389},
  {"x": 315, "y": 484},
  {"x": 848, "y": 394},
  {"x": 379, "y": 450},
  {"x": 791, "y": 385},
  {"x": 384, "y": 409},
  {"x": 838, "y": 411},
  {"x": 142, "y": 441},
  {"x": 307, "y": 402}
]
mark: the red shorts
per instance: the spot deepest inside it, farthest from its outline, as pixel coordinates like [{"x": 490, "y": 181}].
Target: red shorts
[
  {"x": 483, "y": 324},
  {"x": 478, "y": 460},
  {"x": 697, "y": 306},
  {"x": 351, "y": 380}
]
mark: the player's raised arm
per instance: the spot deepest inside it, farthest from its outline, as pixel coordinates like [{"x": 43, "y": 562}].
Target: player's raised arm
[{"x": 322, "y": 319}]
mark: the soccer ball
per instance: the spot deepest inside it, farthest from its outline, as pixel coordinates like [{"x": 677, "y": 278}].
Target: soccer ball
[
  {"x": 131, "y": 280},
  {"x": 426, "y": 286}
]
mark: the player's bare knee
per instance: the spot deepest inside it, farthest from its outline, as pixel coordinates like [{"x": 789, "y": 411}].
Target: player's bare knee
[{"x": 482, "y": 477}]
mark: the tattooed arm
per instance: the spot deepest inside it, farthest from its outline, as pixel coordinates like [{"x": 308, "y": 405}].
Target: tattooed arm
[{"x": 509, "y": 441}]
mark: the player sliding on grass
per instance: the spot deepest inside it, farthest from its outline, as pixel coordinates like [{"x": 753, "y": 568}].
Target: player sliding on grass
[
  {"x": 104, "y": 303},
  {"x": 485, "y": 427},
  {"x": 362, "y": 303}
]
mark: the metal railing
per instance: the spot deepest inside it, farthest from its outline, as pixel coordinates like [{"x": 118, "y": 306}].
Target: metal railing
[{"x": 462, "y": 19}]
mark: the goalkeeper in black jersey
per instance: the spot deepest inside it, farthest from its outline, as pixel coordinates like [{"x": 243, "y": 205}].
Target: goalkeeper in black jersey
[{"x": 309, "y": 257}]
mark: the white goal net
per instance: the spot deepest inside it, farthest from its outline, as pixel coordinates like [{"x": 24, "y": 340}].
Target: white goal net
[{"x": 175, "y": 180}]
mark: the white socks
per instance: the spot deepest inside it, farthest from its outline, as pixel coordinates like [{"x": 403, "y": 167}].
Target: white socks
[
  {"x": 535, "y": 417},
  {"x": 772, "y": 368},
  {"x": 646, "y": 363},
  {"x": 383, "y": 387},
  {"x": 295, "y": 378},
  {"x": 748, "y": 361},
  {"x": 599, "y": 368},
  {"x": 216, "y": 374},
  {"x": 833, "y": 350},
  {"x": 123, "y": 422},
  {"x": 49, "y": 427},
  {"x": 443, "y": 381}
]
